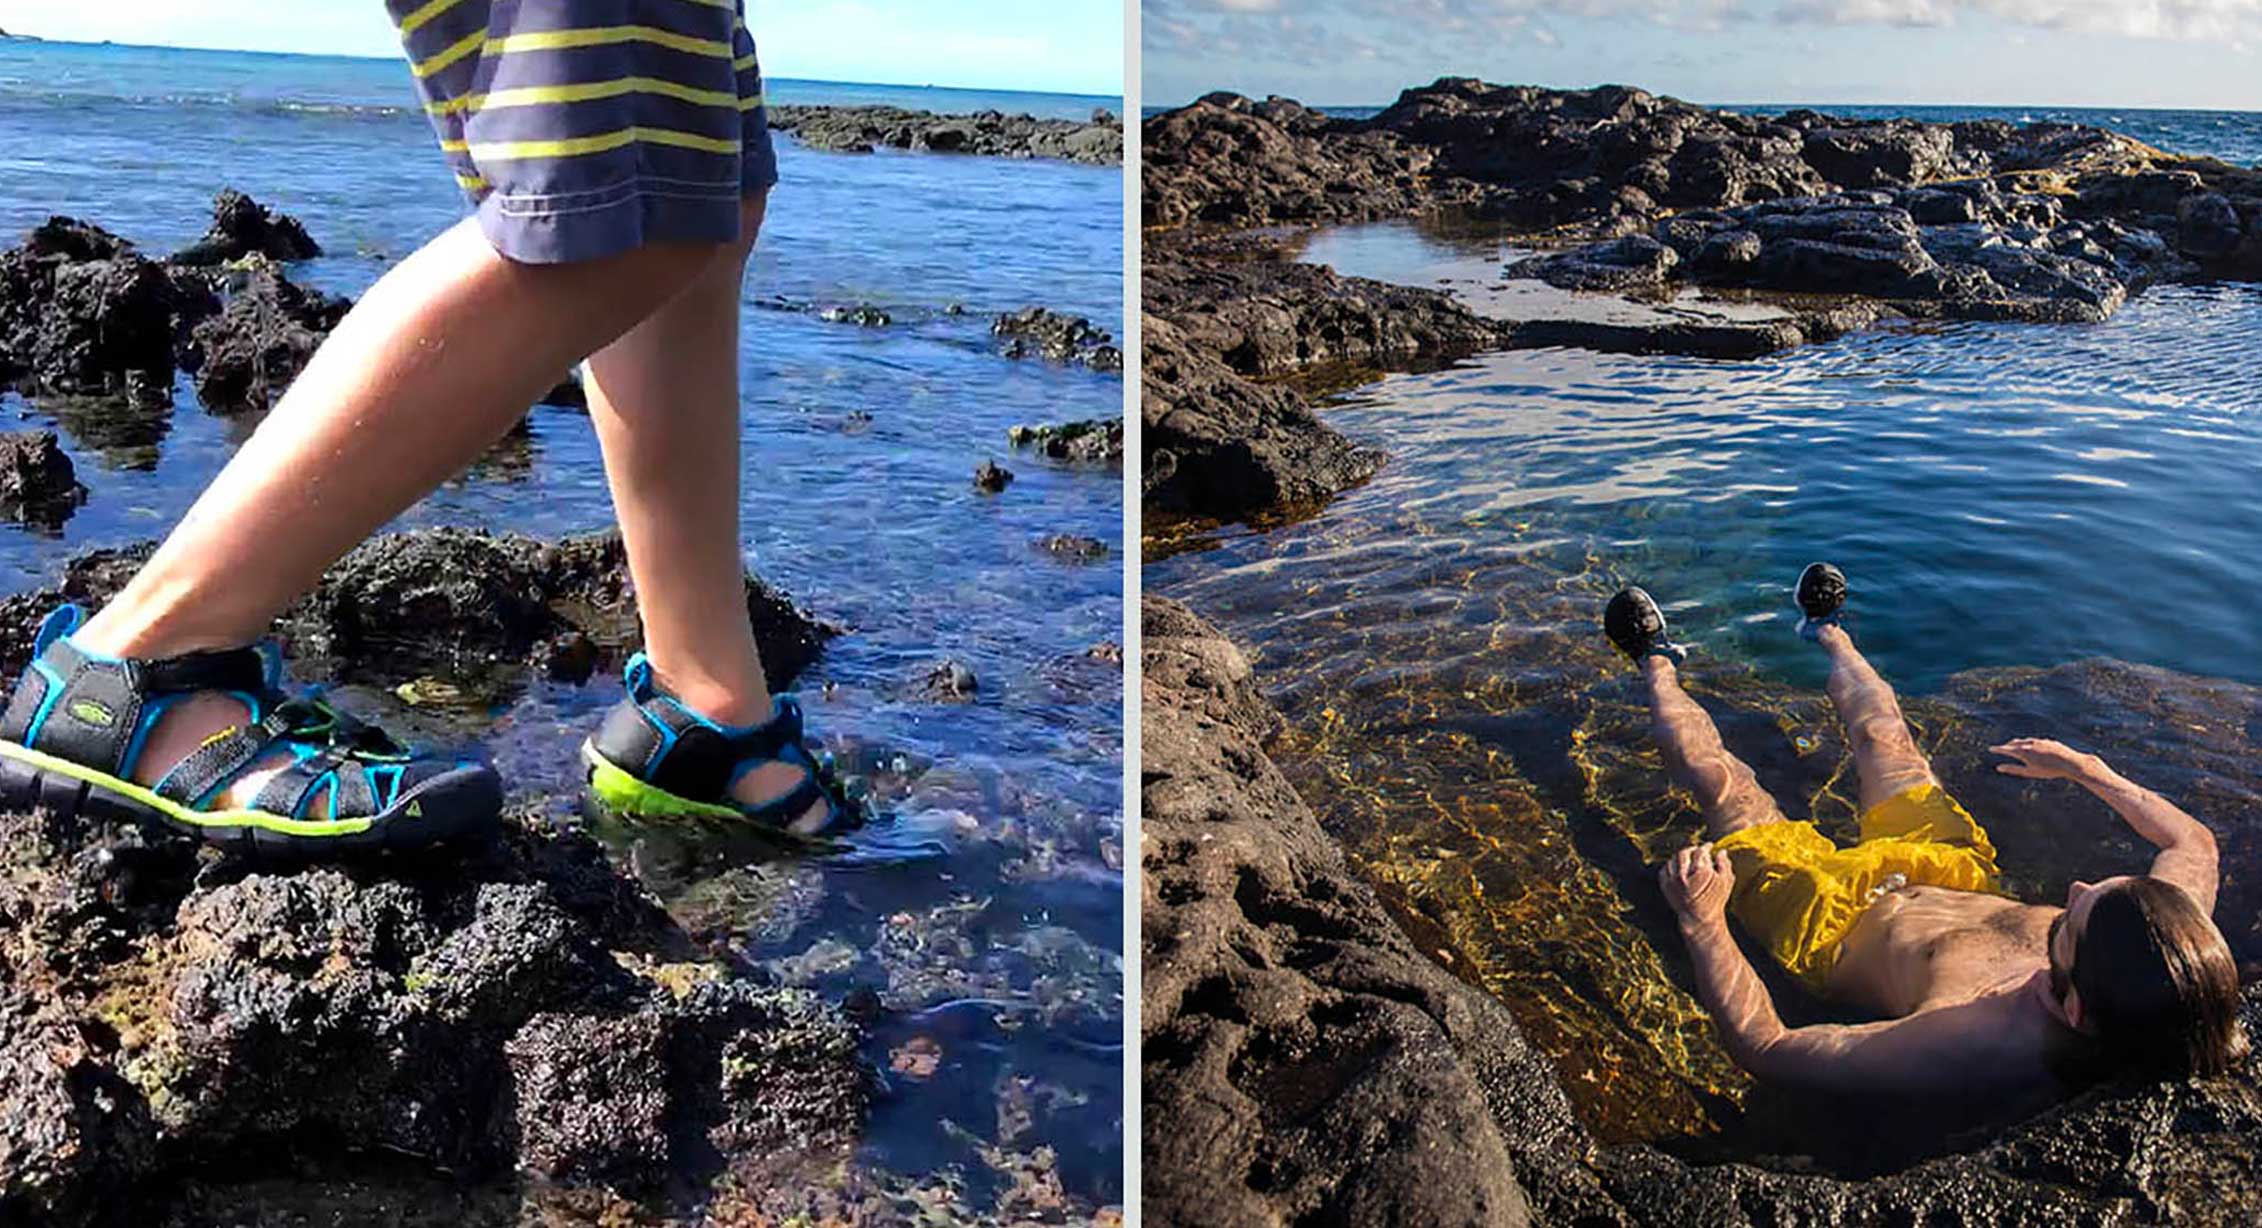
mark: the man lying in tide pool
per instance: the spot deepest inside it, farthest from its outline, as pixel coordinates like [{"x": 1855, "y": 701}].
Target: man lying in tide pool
[{"x": 1978, "y": 997}]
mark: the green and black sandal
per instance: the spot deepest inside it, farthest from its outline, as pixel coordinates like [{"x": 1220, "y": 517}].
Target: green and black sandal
[
  {"x": 78, "y": 721},
  {"x": 656, "y": 758}
]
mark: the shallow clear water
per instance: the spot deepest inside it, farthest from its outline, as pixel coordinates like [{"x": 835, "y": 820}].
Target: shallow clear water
[
  {"x": 2001, "y": 495},
  {"x": 880, "y": 530},
  {"x": 1997, "y": 492}
]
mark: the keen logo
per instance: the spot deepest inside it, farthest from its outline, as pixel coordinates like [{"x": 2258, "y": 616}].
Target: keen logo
[{"x": 93, "y": 713}]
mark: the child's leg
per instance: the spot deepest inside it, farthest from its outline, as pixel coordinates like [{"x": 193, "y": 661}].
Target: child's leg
[
  {"x": 1885, "y": 754},
  {"x": 1724, "y": 785},
  {"x": 429, "y": 369},
  {"x": 665, "y": 400}
]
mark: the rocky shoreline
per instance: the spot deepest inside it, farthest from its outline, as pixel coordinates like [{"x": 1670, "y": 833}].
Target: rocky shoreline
[
  {"x": 862, "y": 129},
  {"x": 1836, "y": 222},
  {"x": 1308, "y": 1045}
]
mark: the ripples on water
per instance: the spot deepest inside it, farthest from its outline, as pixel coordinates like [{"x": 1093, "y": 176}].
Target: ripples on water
[
  {"x": 1008, "y": 951},
  {"x": 1999, "y": 494}
]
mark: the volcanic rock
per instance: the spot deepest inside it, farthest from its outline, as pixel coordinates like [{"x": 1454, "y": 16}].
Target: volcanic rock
[
  {"x": 862, "y": 129},
  {"x": 243, "y": 227}
]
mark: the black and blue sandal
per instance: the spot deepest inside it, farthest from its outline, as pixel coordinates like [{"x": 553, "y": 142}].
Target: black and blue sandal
[
  {"x": 1821, "y": 596},
  {"x": 78, "y": 722},
  {"x": 656, "y": 758},
  {"x": 1635, "y": 624}
]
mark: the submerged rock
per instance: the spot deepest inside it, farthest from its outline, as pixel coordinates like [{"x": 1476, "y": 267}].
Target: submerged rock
[
  {"x": 243, "y": 227},
  {"x": 1287, "y": 1023},
  {"x": 1098, "y": 141},
  {"x": 1072, "y": 548},
  {"x": 38, "y": 484},
  {"x": 1041, "y": 332},
  {"x": 991, "y": 478},
  {"x": 949, "y": 682},
  {"x": 864, "y": 315},
  {"x": 1294, "y": 1013},
  {"x": 177, "y": 1016},
  {"x": 1091, "y": 442}
]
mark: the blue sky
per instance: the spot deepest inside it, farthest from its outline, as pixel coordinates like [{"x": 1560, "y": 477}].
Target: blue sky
[
  {"x": 1063, "y": 46},
  {"x": 2128, "y": 53}
]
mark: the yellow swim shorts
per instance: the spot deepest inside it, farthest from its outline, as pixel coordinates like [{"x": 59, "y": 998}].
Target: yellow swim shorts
[{"x": 1799, "y": 893}]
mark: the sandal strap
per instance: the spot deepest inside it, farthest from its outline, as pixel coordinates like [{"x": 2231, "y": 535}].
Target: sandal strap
[
  {"x": 228, "y": 669},
  {"x": 222, "y": 758},
  {"x": 352, "y": 794}
]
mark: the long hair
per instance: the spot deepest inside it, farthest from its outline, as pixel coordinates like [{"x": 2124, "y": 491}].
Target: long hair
[{"x": 2158, "y": 986}]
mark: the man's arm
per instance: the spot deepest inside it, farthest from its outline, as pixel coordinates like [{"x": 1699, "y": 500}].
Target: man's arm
[
  {"x": 2187, "y": 849},
  {"x": 1914, "y": 1054},
  {"x": 1921, "y": 1053}
]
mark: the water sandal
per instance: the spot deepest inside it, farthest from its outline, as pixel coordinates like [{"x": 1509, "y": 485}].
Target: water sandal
[
  {"x": 1635, "y": 624},
  {"x": 656, "y": 758},
  {"x": 1821, "y": 596},
  {"x": 78, "y": 721}
]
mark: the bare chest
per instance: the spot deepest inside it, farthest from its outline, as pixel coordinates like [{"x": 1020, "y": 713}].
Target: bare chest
[{"x": 1923, "y": 947}]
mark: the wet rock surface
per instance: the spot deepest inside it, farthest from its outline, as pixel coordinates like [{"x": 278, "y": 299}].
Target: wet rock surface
[
  {"x": 1223, "y": 437},
  {"x": 1245, "y": 959},
  {"x": 38, "y": 483},
  {"x": 1222, "y": 445},
  {"x": 462, "y": 603},
  {"x": 1039, "y": 332},
  {"x": 483, "y": 1010},
  {"x": 1098, "y": 141},
  {"x": 245, "y": 357},
  {"x": 83, "y": 312}
]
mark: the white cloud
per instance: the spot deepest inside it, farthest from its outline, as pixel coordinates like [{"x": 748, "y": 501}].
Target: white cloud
[{"x": 2186, "y": 20}]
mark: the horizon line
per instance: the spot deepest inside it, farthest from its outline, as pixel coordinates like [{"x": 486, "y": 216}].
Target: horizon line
[
  {"x": 1808, "y": 103},
  {"x": 24, "y": 36}
]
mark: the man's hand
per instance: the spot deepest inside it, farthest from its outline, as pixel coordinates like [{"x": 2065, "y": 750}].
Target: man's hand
[
  {"x": 1697, "y": 882},
  {"x": 2043, "y": 759}
]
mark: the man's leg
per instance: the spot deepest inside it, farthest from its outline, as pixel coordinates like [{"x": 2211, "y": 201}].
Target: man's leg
[
  {"x": 665, "y": 399},
  {"x": 1885, "y": 754},
  {"x": 428, "y": 370},
  {"x": 1724, "y": 785}
]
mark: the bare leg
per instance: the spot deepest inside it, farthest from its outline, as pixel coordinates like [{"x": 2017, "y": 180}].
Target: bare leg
[
  {"x": 1724, "y": 785},
  {"x": 429, "y": 369},
  {"x": 665, "y": 400},
  {"x": 1885, "y": 754}
]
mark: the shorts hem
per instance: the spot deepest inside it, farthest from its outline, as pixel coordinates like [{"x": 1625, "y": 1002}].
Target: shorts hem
[{"x": 592, "y": 225}]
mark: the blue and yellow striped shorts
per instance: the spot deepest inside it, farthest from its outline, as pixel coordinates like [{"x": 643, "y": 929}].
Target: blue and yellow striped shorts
[{"x": 586, "y": 128}]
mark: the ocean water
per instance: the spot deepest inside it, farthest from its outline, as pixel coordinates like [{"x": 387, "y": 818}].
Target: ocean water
[
  {"x": 2001, "y": 495},
  {"x": 879, "y": 529}
]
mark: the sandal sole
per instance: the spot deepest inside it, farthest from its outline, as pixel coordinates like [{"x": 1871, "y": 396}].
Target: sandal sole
[
  {"x": 623, "y": 796},
  {"x": 456, "y": 804}
]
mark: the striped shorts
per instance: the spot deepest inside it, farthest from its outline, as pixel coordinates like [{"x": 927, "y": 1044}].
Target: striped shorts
[{"x": 586, "y": 128}]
